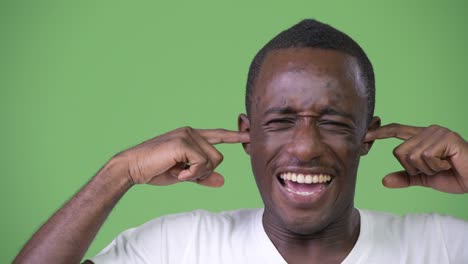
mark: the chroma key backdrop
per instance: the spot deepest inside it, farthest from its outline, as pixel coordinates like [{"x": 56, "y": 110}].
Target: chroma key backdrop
[{"x": 83, "y": 80}]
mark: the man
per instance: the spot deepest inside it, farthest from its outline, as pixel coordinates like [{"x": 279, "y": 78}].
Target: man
[{"x": 310, "y": 100}]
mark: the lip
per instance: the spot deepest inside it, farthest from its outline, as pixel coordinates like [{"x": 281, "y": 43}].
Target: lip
[{"x": 311, "y": 200}]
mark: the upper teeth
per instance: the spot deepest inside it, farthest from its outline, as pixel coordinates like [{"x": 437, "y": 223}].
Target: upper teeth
[{"x": 305, "y": 178}]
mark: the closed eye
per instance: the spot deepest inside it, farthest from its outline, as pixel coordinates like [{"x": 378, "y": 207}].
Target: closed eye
[
  {"x": 335, "y": 126},
  {"x": 280, "y": 120},
  {"x": 279, "y": 123},
  {"x": 333, "y": 123}
]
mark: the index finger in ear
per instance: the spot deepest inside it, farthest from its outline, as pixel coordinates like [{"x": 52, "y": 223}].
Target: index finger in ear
[
  {"x": 393, "y": 130},
  {"x": 217, "y": 136}
]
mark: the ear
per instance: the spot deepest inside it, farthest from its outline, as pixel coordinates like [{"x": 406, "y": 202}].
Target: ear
[
  {"x": 243, "y": 123},
  {"x": 367, "y": 145}
]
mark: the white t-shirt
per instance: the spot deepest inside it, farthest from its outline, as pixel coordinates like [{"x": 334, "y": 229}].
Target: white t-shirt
[{"x": 238, "y": 237}]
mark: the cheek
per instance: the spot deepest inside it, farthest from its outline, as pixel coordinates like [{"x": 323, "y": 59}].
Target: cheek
[
  {"x": 265, "y": 149},
  {"x": 266, "y": 144},
  {"x": 345, "y": 147}
]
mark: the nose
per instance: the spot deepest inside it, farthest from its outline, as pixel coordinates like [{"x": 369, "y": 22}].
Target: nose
[{"x": 306, "y": 143}]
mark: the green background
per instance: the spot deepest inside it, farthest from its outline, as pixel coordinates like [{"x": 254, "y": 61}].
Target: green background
[{"x": 83, "y": 80}]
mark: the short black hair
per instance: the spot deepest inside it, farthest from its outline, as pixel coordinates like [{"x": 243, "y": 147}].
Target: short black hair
[{"x": 310, "y": 33}]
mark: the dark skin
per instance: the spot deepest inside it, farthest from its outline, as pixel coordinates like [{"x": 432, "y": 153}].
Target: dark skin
[
  {"x": 317, "y": 126},
  {"x": 66, "y": 236},
  {"x": 432, "y": 157},
  {"x": 326, "y": 129},
  {"x": 310, "y": 116}
]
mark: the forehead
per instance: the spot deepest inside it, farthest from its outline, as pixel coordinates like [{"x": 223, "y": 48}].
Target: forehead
[{"x": 308, "y": 76}]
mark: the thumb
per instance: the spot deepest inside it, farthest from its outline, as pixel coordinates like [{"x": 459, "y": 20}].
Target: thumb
[
  {"x": 213, "y": 180},
  {"x": 401, "y": 179}
]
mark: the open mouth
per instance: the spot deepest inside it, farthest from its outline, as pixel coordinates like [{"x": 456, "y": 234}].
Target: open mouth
[{"x": 304, "y": 184}]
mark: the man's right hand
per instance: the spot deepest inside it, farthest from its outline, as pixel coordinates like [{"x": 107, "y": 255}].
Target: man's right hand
[{"x": 184, "y": 154}]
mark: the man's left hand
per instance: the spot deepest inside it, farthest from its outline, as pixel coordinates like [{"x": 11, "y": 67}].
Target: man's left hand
[{"x": 432, "y": 157}]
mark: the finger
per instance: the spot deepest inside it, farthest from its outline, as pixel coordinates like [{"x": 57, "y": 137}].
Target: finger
[
  {"x": 175, "y": 171},
  {"x": 402, "y": 154},
  {"x": 396, "y": 180},
  {"x": 423, "y": 156},
  {"x": 197, "y": 169},
  {"x": 434, "y": 156},
  {"x": 436, "y": 164},
  {"x": 401, "y": 179},
  {"x": 172, "y": 175},
  {"x": 417, "y": 161},
  {"x": 421, "y": 165},
  {"x": 443, "y": 181},
  {"x": 163, "y": 180},
  {"x": 215, "y": 157},
  {"x": 393, "y": 130},
  {"x": 199, "y": 161},
  {"x": 410, "y": 152},
  {"x": 213, "y": 180},
  {"x": 217, "y": 136}
]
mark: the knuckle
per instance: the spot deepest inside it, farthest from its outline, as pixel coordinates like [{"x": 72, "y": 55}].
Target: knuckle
[
  {"x": 209, "y": 166},
  {"x": 185, "y": 130},
  {"x": 424, "y": 181},
  {"x": 398, "y": 152},
  {"x": 412, "y": 157},
  {"x": 453, "y": 135},
  {"x": 426, "y": 154},
  {"x": 206, "y": 162},
  {"x": 180, "y": 141},
  {"x": 218, "y": 158},
  {"x": 444, "y": 129}
]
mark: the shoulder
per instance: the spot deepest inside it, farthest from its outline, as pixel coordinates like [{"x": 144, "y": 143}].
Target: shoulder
[
  {"x": 173, "y": 238},
  {"x": 426, "y": 221},
  {"x": 180, "y": 220},
  {"x": 183, "y": 224},
  {"x": 441, "y": 237}
]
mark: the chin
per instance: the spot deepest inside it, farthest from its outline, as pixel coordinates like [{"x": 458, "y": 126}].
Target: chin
[
  {"x": 297, "y": 221},
  {"x": 310, "y": 221},
  {"x": 309, "y": 224}
]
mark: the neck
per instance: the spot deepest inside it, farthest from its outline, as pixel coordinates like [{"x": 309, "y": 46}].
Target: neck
[{"x": 329, "y": 245}]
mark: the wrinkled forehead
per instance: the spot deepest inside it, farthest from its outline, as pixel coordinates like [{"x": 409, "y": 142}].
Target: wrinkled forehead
[{"x": 303, "y": 75}]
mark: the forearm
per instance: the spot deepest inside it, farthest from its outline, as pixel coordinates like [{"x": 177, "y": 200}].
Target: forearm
[{"x": 66, "y": 236}]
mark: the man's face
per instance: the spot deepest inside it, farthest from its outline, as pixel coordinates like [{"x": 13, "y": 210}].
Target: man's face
[{"x": 307, "y": 124}]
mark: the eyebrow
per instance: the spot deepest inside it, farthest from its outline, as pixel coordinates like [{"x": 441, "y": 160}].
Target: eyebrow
[
  {"x": 280, "y": 110},
  {"x": 332, "y": 111},
  {"x": 324, "y": 111}
]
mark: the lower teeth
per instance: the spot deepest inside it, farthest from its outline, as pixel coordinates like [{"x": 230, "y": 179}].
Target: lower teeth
[{"x": 300, "y": 193}]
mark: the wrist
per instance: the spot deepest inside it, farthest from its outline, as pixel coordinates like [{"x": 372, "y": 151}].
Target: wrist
[{"x": 114, "y": 176}]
